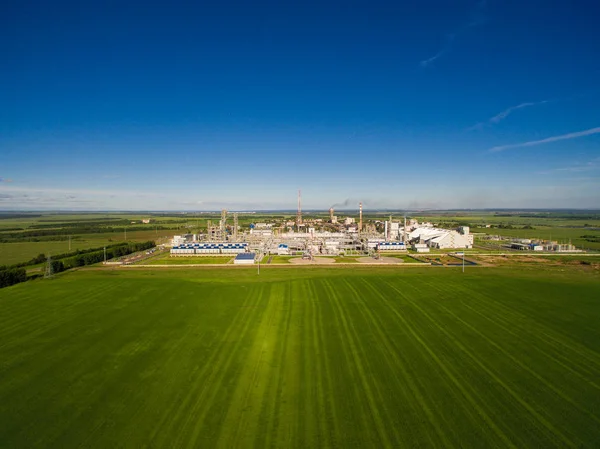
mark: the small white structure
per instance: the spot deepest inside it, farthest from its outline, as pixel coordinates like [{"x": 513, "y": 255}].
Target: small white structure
[
  {"x": 421, "y": 248},
  {"x": 283, "y": 249}
]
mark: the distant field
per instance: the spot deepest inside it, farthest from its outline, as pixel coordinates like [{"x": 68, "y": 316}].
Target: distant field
[
  {"x": 564, "y": 235},
  {"x": 310, "y": 357}
]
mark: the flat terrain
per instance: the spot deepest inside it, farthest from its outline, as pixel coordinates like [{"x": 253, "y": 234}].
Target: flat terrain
[{"x": 301, "y": 357}]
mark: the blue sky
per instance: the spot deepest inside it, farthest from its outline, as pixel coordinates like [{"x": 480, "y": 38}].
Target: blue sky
[{"x": 203, "y": 105}]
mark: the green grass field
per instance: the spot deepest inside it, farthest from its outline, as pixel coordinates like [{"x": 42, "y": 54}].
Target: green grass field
[
  {"x": 280, "y": 259},
  {"x": 303, "y": 357}
]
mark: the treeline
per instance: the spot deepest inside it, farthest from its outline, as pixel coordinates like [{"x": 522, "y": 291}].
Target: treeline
[
  {"x": 79, "y": 224},
  {"x": 591, "y": 238},
  {"x": 91, "y": 258},
  {"x": 79, "y": 220},
  {"x": 60, "y": 234},
  {"x": 11, "y": 276},
  {"x": 4, "y": 216},
  {"x": 555, "y": 215},
  {"x": 40, "y": 258},
  {"x": 15, "y": 274}
]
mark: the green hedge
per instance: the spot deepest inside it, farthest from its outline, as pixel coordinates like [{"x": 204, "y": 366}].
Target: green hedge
[{"x": 12, "y": 276}]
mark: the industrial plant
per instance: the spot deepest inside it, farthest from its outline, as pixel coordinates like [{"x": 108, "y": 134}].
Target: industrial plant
[{"x": 334, "y": 235}]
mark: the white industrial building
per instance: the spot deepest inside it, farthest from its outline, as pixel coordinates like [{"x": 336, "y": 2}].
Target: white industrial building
[
  {"x": 442, "y": 238},
  {"x": 191, "y": 249}
]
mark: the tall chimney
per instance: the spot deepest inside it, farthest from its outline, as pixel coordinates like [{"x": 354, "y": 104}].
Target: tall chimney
[
  {"x": 331, "y": 214},
  {"x": 359, "y": 217}
]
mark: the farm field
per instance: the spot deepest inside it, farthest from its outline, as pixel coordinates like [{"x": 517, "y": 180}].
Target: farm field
[{"x": 346, "y": 357}]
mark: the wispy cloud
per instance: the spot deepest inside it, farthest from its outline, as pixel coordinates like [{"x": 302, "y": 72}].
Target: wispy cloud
[
  {"x": 502, "y": 115},
  {"x": 5, "y": 180},
  {"x": 594, "y": 164},
  {"x": 477, "y": 18},
  {"x": 587, "y": 132},
  {"x": 427, "y": 62}
]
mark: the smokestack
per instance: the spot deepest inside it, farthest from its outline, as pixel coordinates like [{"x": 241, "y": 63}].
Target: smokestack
[
  {"x": 359, "y": 217},
  {"x": 331, "y": 214}
]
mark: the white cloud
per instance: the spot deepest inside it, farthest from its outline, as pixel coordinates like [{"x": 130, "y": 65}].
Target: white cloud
[{"x": 575, "y": 135}]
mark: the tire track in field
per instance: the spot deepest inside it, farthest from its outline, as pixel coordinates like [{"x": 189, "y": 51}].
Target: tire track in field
[
  {"x": 271, "y": 406},
  {"x": 450, "y": 375},
  {"x": 534, "y": 331},
  {"x": 32, "y": 314},
  {"x": 502, "y": 322},
  {"x": 352, "y": 338},
  {"x": 242, "y": 419},
  {"x": 523, "y": 366},
  {"x": 393, "y": 353},
  {"x": 329, "y": 423},
  {"x": 57, "y": 357},
  {"x": 547, "y": 424},
  {"x": 54, "y": 385},
  {"x": 545, "y": 334},
  {"x": 288, "y": 429},
  {"x": 193, "y": 409}
]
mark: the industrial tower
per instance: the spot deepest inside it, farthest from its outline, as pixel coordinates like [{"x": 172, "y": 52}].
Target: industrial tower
[
  {"x": 223, "y": 221},
  {"x": 359, "y": 217}
]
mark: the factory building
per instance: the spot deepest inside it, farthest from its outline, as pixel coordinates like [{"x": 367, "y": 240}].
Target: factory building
[
  {"x": 391, "y": 246},
  {"x": 191, "y": 249},
  {"x": 442, "y": 238}
]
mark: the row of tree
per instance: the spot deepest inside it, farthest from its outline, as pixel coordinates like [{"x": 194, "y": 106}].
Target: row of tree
[
  {"x": 98, "y": 256},
  {"x": 13, "y": 275},
  {"x": 40, "y": 258}
]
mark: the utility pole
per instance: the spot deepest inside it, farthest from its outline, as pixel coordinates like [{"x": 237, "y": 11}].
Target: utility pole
[
  {"x": 69, "y": 243},
  {"x": 463, "y": 262},
  {"x": 125, "y": 234},
  {"x": 105, "y": 255},
  {"x": 49, "y": 268}
]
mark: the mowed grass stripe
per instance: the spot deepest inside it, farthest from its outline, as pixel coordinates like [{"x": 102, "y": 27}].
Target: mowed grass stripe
[
  {"x": 356, "y": 357},
  {"x": 442, "y": 391},
  {"x": 452, "y": 375},
  {"x": 243, "y": 424},
  {"x": 65, "y": 379},
  {"x": 206, "y": 384},
  {"x": 560, "y": 343},
  {"x": 22, "y": 312},
  {"x": 324, "y": 419},
  {"x": 507, "y": 322},
  {"x": 407, "y": 389},
  {"x": 526, "y": 367},
  {"x": 556, "y": 433}
]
